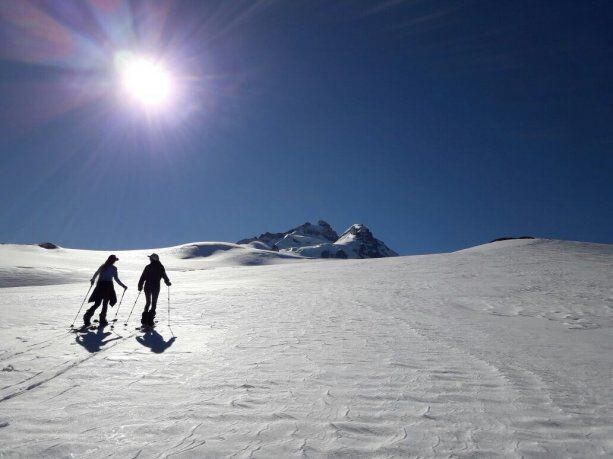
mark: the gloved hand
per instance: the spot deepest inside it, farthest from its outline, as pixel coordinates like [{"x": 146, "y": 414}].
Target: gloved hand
[
  {"x": 168, "y": 283},
  {"x": 91, "y": 282},
  {"x": 125, "y": 287},
  {"x": 140, "y": 289}
]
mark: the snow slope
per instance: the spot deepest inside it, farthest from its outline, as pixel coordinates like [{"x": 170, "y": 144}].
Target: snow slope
[{"x": 500, "y": 350}]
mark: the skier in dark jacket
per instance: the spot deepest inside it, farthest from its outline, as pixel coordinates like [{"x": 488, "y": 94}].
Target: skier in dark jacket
[
  {"x": 104, "y": 292},
  {"x": 153, "y": 273}
]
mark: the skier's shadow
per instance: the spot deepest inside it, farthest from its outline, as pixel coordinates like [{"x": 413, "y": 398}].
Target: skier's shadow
[
  {"x": 94, "y": 340},
  {"x": 154, "y": 341}
]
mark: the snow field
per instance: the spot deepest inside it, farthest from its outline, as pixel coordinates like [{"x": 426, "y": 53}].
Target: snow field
[{"x": 501, "y": 350}]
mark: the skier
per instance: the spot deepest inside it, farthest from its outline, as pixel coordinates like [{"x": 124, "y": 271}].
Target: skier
[
  {"x": 104, "y": 292},
  {"x": 152, "y": 274}
]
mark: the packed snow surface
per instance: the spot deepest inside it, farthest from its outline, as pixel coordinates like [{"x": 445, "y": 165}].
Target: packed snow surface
[{"x": 500, "y": 350}]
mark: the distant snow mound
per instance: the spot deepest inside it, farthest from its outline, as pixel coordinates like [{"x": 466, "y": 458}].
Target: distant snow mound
[
  {"x": 501, "y": 245},
  {"x": 259, "y": 245},
  {"x": 531, "y": 247},
  {"x": 321, "y": 241},
  {"x": 203, "y": 249},
  {"x": 228, "y": 254},
  {"x": 29, "y": 265}
]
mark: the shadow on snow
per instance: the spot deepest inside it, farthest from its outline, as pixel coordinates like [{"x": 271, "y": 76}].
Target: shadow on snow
[
  {"x": 94, "y": 340},
  {"x": 154, "y": 341}
]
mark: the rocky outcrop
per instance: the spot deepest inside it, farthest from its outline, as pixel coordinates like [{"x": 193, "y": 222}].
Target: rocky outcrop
[
  {"x": 508, "y": 238},
  {"x": 48, "y": 245}
]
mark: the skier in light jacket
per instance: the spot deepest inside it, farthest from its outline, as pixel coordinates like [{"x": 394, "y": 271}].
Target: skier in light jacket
[{"x": 104, "y": 292}]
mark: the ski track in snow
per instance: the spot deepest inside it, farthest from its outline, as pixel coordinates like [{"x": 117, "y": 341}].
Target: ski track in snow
[{"x": 503, "y": 350}]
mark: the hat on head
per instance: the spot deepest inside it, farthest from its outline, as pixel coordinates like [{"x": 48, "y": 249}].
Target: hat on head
[{"x": 154, "y": 256}]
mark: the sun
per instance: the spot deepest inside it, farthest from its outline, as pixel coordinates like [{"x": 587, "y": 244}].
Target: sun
[{"x": 144, "y": 80}]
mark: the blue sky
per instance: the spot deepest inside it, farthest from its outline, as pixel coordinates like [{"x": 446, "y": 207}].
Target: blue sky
[{"x": 438, "y": 124}]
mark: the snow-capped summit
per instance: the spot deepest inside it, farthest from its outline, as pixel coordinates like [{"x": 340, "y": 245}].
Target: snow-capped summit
[
  {"x": 301, "y": 236},
  {"x": 321, "y": 241},
  {"x": 364, "y": 243},
  {"x": 356, "y": 242},
  {"x": 321, "y": 230}
]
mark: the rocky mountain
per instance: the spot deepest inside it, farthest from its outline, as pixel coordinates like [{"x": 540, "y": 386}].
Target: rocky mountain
[
  {"x": 301, "y": 236},
  {"x": 321, "y": 241}
]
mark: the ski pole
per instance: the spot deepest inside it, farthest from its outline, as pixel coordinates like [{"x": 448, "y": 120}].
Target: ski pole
[
  {"x": 169, "y": 328},
  {"x": 118, "y": 306},
  {"x": 169, "y": 305},
  {"x": 79, "y": 312},
  {"x": 130, "y": 315}
]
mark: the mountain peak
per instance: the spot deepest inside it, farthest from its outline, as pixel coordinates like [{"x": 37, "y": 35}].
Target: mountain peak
[
  {"x": 321, "y": 241},
  {"x": 302, "y": 235},
  {"x": 357, "y": 229},
  {"x": 361, "y": 239}
]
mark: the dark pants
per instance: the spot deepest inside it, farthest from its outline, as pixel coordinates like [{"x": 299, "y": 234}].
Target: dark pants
[
  {"x": 151, "y": 297},
  {"x": 90, "y": 312}
]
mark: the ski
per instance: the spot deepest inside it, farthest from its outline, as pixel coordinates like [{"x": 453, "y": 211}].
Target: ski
[
  {"x": 86, "y": 328},
  {"x": 147, "y": 327}
]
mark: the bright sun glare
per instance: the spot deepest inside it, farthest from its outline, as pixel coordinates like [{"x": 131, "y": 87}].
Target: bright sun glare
[{"x": 145, "y": 80}]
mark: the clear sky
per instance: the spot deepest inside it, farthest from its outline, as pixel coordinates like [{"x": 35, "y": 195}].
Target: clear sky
[{"x": 438, "y": 124}]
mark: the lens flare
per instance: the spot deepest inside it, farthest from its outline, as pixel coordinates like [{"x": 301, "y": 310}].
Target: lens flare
[{"x": 144, "y": 80}]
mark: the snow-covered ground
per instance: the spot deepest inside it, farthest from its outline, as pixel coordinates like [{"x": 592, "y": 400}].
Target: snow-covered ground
[{"x": 500, "y": 350}]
